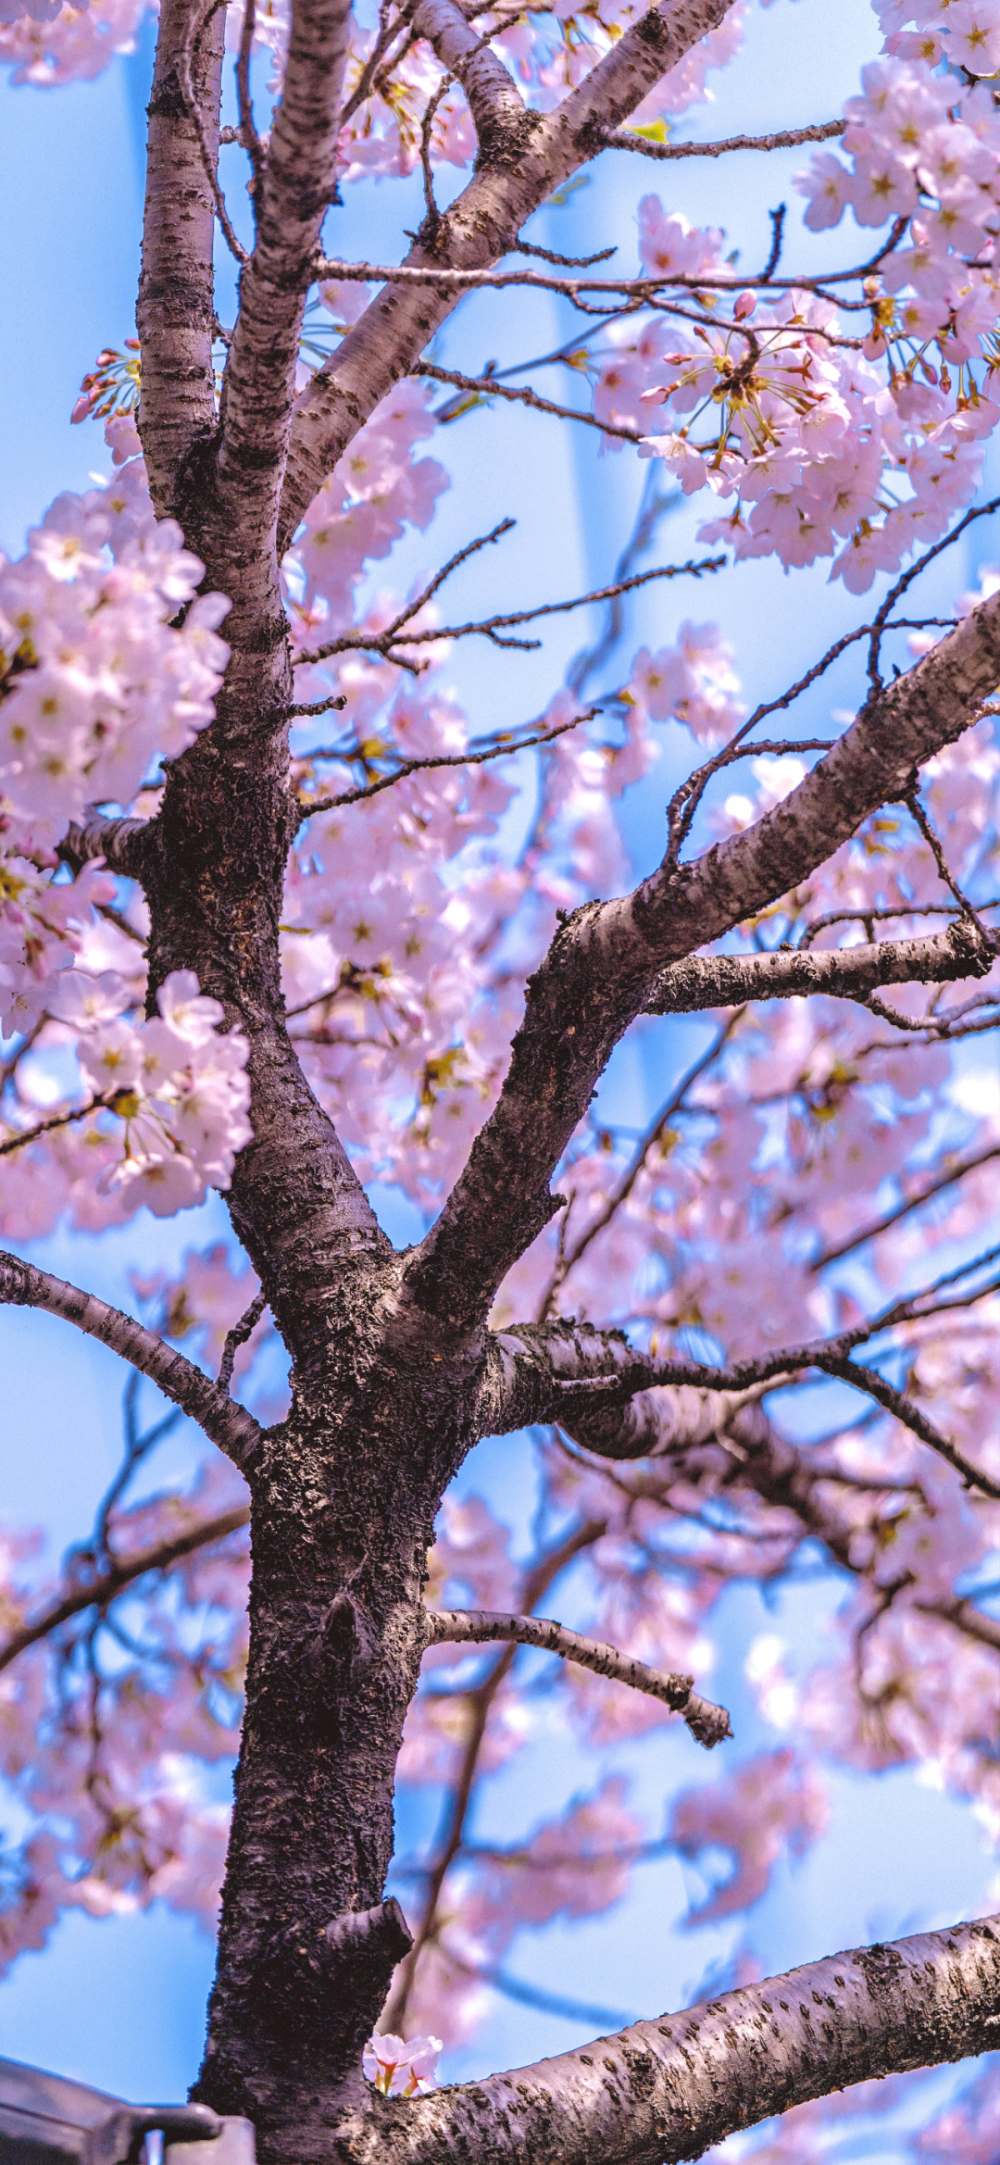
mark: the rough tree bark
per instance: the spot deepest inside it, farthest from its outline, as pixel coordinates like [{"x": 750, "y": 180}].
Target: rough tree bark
[{"x": 395, "y": 1375}]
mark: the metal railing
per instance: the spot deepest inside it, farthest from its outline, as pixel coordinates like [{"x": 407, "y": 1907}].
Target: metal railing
[{"x": 47, "y": 2120}]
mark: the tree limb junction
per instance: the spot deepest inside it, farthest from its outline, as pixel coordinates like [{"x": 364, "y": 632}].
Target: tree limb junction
[
  {"x": 513, "y": 178},
  {"x": 605, "y": 961}
]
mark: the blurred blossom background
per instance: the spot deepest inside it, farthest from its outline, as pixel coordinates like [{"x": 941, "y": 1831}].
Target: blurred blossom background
[{"x": 119, "y": 2000}]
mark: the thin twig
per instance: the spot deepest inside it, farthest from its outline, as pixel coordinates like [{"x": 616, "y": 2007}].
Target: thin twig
[
  {"x": 124, "y": 1571},
  {"x": 880, "y": 621},
  {"x": 570, "y": 263},
  {"x": 933, "y": 842},
  {"x": 468, "y": 758},
  {"x": 58, "y": 1120},
  {"x": 862, "y": 916},
  {"x": 248, "y": 136},
  {"x": 238, "y": 1336},
  {"x": 777, "y": 218},
  {"x": 632, "y": 288},
  {"x": 186, "y": 56},
  {"x": 387, "y": 32},
  {"x": 908, "y": 1310},
  {"x": 621, "y": 1193},
  {"x": 137, "y": 1447},
  {"x": 488, "y": 387},
  {"x": 413, "y": 608},
  {"x": 708, "y": 1723},
  {"x": 686, "y": 799},
  {"x": 782, "y": 139},
  {"x": 902, "y": 1210},
  {"x": 654, "y": 503},
  {"x": 425, "y": 147},
  {"x": 490, "y": 627},
  {"x": 535, "y": 1584}
]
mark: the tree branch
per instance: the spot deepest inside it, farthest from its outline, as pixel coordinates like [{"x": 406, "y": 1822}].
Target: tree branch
[
  {"x": 100, "y": 1591},
  {"x": 291, "y": 198},
  {"x": 479, "y": 1702},
  {"x": 526, "y": 1364},
  {"x": 412, "y": 609},
  {"x": 843, "y": 973},
  {"x": 785, "y": 1476},
  {"x": 708, "y": 1723},
  {"x": 583, "y": 1377},
  {"x": 473, "y": 757},
  {"x": 494, "y": 99},
  {"x": 512, "y": 179},
  {"x": 659, "y": 2092},
  {"x": 488, "y": 387},
  {"x": 230, "y": 1426},
  {"x": 605, "y": 961},
  {"x": 176, "y": 310},
  {"x": 121, "y": 842},
  {"x": 489, "y": 627},
  {"x": 966, "y": 1617},
  {"x": 20, "y": 1141},
  {"x": 782, "y": 139},
  {"x": 572, "y": 1250},
  {"x": 902, "y": 1210}
]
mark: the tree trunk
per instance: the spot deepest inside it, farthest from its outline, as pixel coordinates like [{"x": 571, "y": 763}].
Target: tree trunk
[{"x": 336, "y": 1637}]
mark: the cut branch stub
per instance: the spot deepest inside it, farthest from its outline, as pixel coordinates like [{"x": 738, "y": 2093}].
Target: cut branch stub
[{"x": 333, "y": 1985}]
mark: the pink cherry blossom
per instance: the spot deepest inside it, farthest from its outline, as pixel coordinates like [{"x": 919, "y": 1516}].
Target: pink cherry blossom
[{"x": 398, "y": 2069}]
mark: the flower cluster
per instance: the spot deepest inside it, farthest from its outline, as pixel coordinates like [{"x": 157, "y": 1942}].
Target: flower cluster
[
  {"x": 399, "y": 1024},
  {"x": 772, "y": 1804},
  {"x": 113, "y": 1777},
  {"x": 42, "y": 922},
  {"x": 176, "y": 1082},
  {"x": 859, "y": 449},
  {"x": 398, "y": 2069},
  {"x": 801, "y": 429},
  {"x": 64, "y": 41},
  {"x": 97, "y": 680},
  {"x": 693, "y": 682},
  {"x": 169, "y": 1099},
  {"x": 362, "y": 508},
  {"x": 964, "y": 32}
]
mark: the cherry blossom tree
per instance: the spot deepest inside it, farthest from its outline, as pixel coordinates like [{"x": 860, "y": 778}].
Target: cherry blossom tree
[{"x": 278, "y": 918}]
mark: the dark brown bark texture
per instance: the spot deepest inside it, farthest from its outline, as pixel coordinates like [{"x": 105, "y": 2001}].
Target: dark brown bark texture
[{"x": 394, "y": 1374}]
